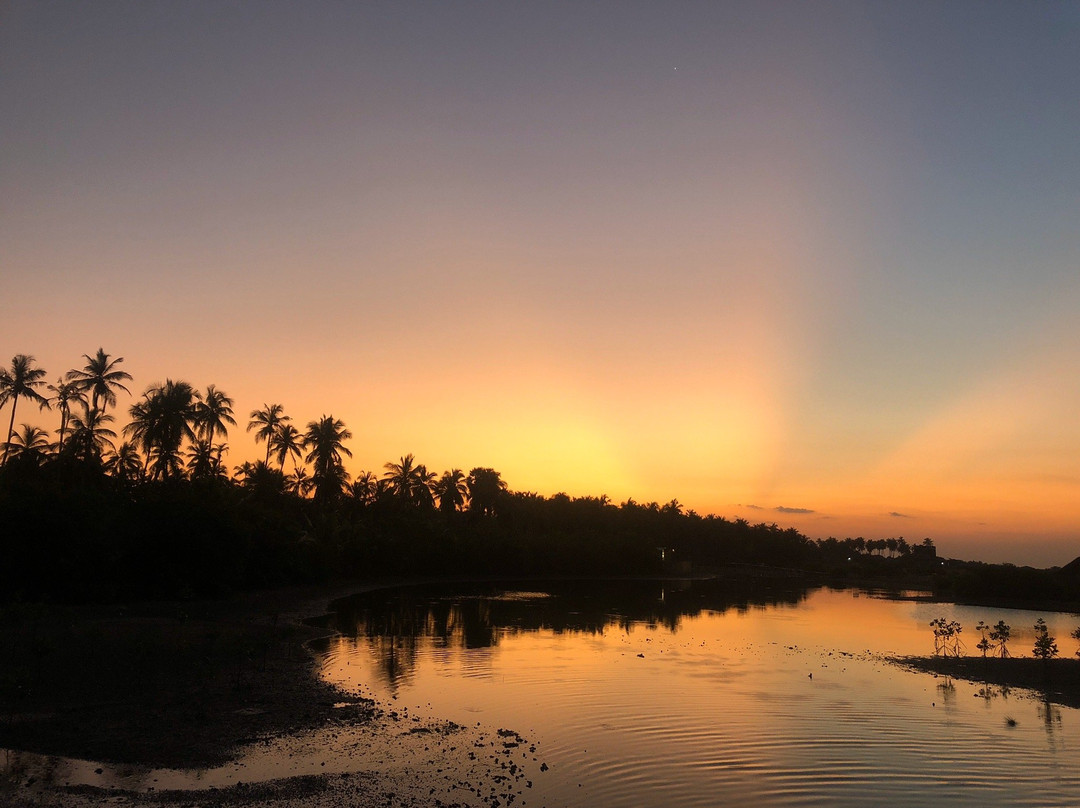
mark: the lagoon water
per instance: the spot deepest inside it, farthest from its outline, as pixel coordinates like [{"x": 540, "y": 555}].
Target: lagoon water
[
  {"x": 708, "y": 693},
  {"x": 649, "y": 694}
]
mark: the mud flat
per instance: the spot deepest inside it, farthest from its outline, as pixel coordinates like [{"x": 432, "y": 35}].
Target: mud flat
[{"x": 1056, "y": 680}]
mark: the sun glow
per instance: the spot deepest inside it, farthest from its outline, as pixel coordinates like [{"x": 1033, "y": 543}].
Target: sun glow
[{"x": 755, "y": 285}]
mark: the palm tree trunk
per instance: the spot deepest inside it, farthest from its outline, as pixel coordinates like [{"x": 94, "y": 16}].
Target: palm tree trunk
[
  {"x": 63, "y": 428},
  {"x": 11, "y": 428}
]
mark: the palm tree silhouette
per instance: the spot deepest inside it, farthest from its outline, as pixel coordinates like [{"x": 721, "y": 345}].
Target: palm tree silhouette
[
  {"x": 101, "y": 378},
  {"x": 486, "y": 489},
  {"x": 264, "y": 480},
  {"x": 89, "y": 437},
  {"x": 268, "y": 420},
  {"x": 422, "y": 491},
  {"x": 326, "y": 440},
  {"x": 244, "y": 472},
  {"x": 160, "y": 423},
  {"x": 364, "y": 488},
  {"x": 204, "y": 460},
  {"x": 212, "y": 413},
  {"x": 63, "y": 395},
  {"x": 285, "y": 442},
  {"x": 29, "y": 442},
  {"x": 405, "y": 480},
  {"x": 20, "y": 381},
  {"x": 451, "y": 490},
  {"x": 299, "y": 482},
  {"x": 125, "y": 463}
]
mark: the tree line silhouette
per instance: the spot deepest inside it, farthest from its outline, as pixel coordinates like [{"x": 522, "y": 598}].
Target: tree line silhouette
[{"x": 153, "y": 509}]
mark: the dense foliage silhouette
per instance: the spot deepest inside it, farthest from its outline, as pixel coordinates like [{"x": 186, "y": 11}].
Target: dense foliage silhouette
[{"x": 160, "y": 514}]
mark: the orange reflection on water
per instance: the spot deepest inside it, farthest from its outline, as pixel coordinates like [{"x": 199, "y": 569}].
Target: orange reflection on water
[{"x": 664, "y": 695}]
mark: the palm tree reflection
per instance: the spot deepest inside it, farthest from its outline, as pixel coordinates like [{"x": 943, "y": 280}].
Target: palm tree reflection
[{"x": 395, "y": 627}]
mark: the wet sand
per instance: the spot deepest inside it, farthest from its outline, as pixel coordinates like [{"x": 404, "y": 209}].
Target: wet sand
[
  {"x": 183, "y": 686},
  {"x": 414, "y": 764}
]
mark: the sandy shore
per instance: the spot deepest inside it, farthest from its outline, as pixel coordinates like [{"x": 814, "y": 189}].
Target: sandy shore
[{"x": 188, "y": 686}]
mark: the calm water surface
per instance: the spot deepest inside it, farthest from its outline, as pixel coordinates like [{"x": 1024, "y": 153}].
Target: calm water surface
[
  {"x": 659, "y": 694},
  {"x": 650, "y": 694}
]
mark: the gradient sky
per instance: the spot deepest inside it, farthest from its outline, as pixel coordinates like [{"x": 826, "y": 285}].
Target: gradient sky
[{"x": 815, "y": 264}]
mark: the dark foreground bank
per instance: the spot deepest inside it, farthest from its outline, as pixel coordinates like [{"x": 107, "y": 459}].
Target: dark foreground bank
[
  {"x": 187, "y": 685},
  {"x": 166, "y": 684}
]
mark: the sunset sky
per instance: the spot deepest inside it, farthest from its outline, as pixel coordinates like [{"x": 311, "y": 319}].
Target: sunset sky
[{"x": 815, "y": 264}]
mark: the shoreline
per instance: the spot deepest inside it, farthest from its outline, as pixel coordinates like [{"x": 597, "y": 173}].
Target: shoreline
[
  {"x": 1054, "y": 680},
  {"x": 166, "y": 684},
  {"x": 121, "y": 709}
]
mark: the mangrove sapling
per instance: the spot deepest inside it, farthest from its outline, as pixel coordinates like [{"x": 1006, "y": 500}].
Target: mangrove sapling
[
  {"x": 1000, "y": 634},
  {"x": 984, "y": 643},
  {"x": 1045, "y": 645},
  {"x": 946, "y": 637}
]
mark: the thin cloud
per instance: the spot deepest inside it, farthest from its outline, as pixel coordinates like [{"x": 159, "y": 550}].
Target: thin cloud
[
  {"x": 899, "y": 515},
  {"x": 783, "y": 509}
]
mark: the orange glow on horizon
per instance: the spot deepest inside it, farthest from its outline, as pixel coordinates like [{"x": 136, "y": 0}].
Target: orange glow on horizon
[{"x": 755, "y": 285}]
